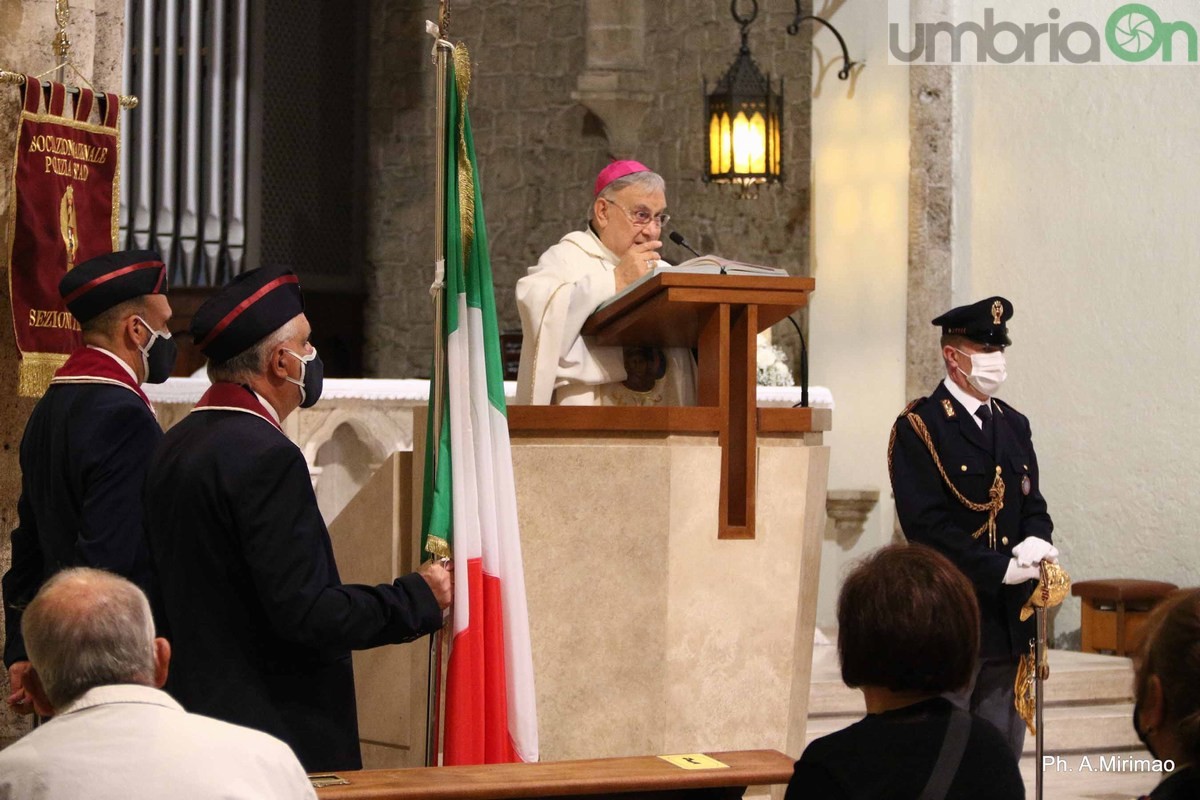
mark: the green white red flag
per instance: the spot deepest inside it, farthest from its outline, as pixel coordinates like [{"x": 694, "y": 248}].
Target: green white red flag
[{"x": 470, "y": 511}]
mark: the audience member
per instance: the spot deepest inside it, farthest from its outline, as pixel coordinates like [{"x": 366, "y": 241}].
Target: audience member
[
  {"x": 908, "y": 632},
  {"x": 1166, "y": 715},
  {"x": 96, "y": 667}
]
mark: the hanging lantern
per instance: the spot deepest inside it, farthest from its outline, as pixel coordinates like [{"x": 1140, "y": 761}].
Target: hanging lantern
[{"x": 744, "y": 122}]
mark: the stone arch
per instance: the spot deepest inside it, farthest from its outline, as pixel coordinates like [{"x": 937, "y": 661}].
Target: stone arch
[{"x": 345, "y": 449}]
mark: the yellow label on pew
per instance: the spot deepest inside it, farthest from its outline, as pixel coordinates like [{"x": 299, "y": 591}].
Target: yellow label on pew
[{"x": 694, "y": 761}]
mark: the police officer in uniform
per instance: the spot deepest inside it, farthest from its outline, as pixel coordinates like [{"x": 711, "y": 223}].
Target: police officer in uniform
[
  {"x": 965, "y": 478},
  {"x": 88, "y": 441},
  {"x": 261, "y": 624}
]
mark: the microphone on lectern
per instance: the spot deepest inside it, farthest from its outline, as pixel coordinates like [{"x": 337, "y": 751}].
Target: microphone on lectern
[{"x": 677, "y": 238}]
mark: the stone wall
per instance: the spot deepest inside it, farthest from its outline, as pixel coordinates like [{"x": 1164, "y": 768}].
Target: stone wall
[
  {"x": 97, "y": 30},
  {"x": 539, "y": 149}
]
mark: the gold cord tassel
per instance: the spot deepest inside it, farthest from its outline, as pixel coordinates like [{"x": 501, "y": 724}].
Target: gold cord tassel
[{"x": 1025, "y": 688}]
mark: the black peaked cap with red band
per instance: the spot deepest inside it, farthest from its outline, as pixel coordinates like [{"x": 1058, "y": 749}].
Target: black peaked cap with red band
[
  {"x": 250, "y": 307},
  {"x": 100, "y": 283}
]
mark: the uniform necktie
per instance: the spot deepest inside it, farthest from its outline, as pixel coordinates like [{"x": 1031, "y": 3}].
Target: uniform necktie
[{"x": 984, "y": 412}]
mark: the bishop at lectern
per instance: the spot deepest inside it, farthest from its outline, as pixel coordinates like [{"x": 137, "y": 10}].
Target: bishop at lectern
[{"x": 621, "y": 244}]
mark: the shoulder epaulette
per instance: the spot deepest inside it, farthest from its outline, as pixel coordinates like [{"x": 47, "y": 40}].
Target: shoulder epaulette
[
  {"x": 892, "y": 438},
  {"x": 908, "y": 408}
]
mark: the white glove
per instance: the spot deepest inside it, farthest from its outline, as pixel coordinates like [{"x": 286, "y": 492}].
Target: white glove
[
  {"x": 1016, "y": 573},
  {"x": 1033, "y": 551}
]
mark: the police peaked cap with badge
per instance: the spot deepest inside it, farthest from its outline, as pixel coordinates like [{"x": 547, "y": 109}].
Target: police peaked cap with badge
[
  {"x": 982, "y": 322},
  {"x": 249, "y": 308},
  {"x": 100, "y": 283}
]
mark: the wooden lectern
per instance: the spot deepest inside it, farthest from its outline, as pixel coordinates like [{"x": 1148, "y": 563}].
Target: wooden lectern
[{"x": 720, "y": 316}]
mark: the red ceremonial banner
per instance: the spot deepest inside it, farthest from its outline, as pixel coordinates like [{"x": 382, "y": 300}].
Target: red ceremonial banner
[{"x": 64, "y": 212}]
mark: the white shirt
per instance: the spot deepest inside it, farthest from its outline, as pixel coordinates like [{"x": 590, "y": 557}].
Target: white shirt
[
  {"x": 968, "y": 402},
  {"x": 270, "y": 408},
  {"x": 128, "y": 742},
  {"x": 117, "y": 359}
]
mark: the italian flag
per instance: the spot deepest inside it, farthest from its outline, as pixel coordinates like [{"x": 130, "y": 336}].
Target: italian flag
[{"x": 470, "y": 511}]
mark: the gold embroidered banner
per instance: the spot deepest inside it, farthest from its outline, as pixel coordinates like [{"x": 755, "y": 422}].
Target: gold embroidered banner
[{"x": 64, "y": 212}]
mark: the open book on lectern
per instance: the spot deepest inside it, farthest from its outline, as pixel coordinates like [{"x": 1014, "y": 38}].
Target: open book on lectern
[{"x": 701, "y": 265}]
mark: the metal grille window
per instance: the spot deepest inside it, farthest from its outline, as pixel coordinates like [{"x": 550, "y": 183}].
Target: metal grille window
[{"x": 183, "y": 155}]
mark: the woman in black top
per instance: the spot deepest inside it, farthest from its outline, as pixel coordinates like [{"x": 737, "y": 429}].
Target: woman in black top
[
  {"x": 908, "y": 631},
  {"x": 1166, "y": 715}
]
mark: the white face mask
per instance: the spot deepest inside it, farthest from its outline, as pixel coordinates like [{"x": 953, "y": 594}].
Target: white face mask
[{"x": 988, "y": 371}]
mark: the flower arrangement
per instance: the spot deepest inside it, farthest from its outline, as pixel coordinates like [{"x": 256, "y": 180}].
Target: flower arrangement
[{"x": 772, "y": 366}]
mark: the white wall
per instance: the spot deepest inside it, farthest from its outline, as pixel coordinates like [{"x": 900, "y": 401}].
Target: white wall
[
  {"x": 1085, "y": 212},
  {"x": 1079, "y": 202},
  {"x": 860, "y": 257}
]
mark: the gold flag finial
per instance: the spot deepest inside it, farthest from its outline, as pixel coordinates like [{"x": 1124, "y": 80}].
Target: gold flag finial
[{"x": 62, "y": 42}]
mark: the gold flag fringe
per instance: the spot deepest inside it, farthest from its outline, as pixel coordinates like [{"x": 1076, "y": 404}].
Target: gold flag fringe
[
  {"x": 35, "y": 372},
  {"x": 466, "y": 171}
]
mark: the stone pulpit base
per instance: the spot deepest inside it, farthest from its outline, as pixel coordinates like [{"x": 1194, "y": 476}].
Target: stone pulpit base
[{"x": 650, "y": 634}]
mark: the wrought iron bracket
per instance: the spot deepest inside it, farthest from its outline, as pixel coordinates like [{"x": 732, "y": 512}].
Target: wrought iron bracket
[{"x": 801, "y": 17}]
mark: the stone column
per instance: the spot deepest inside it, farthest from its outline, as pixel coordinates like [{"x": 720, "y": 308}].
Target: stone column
[
  {"x": 939, "y": 242},
  {"x": 612, "y": 86},
  {"x": 931, "y": 219},
  {"x": 97, "y": 33}
]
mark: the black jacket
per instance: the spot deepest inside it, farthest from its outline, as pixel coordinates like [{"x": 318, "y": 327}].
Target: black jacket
[
  {"x": 931, "y": 514},
  {"x": 262, "y": 625},
  {"x": 83, "y": 462},
  {"x": 890, "y": 756}
]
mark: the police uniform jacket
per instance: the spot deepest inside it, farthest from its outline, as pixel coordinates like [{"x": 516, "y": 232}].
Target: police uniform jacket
[
  {"x": 83, "y": 461},
  {"x": 262, "y": 625},
  {"x": 930, "y": 512}
]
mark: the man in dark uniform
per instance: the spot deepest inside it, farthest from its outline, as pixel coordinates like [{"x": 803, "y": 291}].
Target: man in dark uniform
[
  {"x": 88, "y": 442},
  {"x": 261, "y": 624},
  {"x": 966, "y": 482}
]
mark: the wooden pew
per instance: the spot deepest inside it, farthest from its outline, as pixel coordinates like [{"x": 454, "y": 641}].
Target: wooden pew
[{"x": 636, "y": 778}]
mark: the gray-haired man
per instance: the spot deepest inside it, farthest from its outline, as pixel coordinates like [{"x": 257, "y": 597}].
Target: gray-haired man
[
  {"x": 96, "y": 666},
  {"x": 620, "y": 246}
]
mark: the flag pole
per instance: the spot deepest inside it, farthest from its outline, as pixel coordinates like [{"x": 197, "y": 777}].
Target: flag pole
[{"x": 441, "y": 49}]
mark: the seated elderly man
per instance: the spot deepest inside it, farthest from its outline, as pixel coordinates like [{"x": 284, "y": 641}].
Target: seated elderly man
[
  {"x": 96, "y": 667},
  {"x": 572, "y": 278}
]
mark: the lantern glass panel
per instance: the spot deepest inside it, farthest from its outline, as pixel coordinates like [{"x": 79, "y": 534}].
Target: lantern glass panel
[
  {"x": 726, "y": 145},
  {"x": 758, "y": 144},
  {"x": 714, "y": 145},
  {"x": 741, "y": 143}
]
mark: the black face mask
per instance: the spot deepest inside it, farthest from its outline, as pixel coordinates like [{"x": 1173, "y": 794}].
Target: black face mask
[
  {"x": 312, "y": 378},
  {"x": 158, "y": 356}
]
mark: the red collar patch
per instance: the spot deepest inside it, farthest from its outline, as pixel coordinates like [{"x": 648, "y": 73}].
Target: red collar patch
[
  {"x": 89, "y": 365},
  {"x": 234, "y": 397}
]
